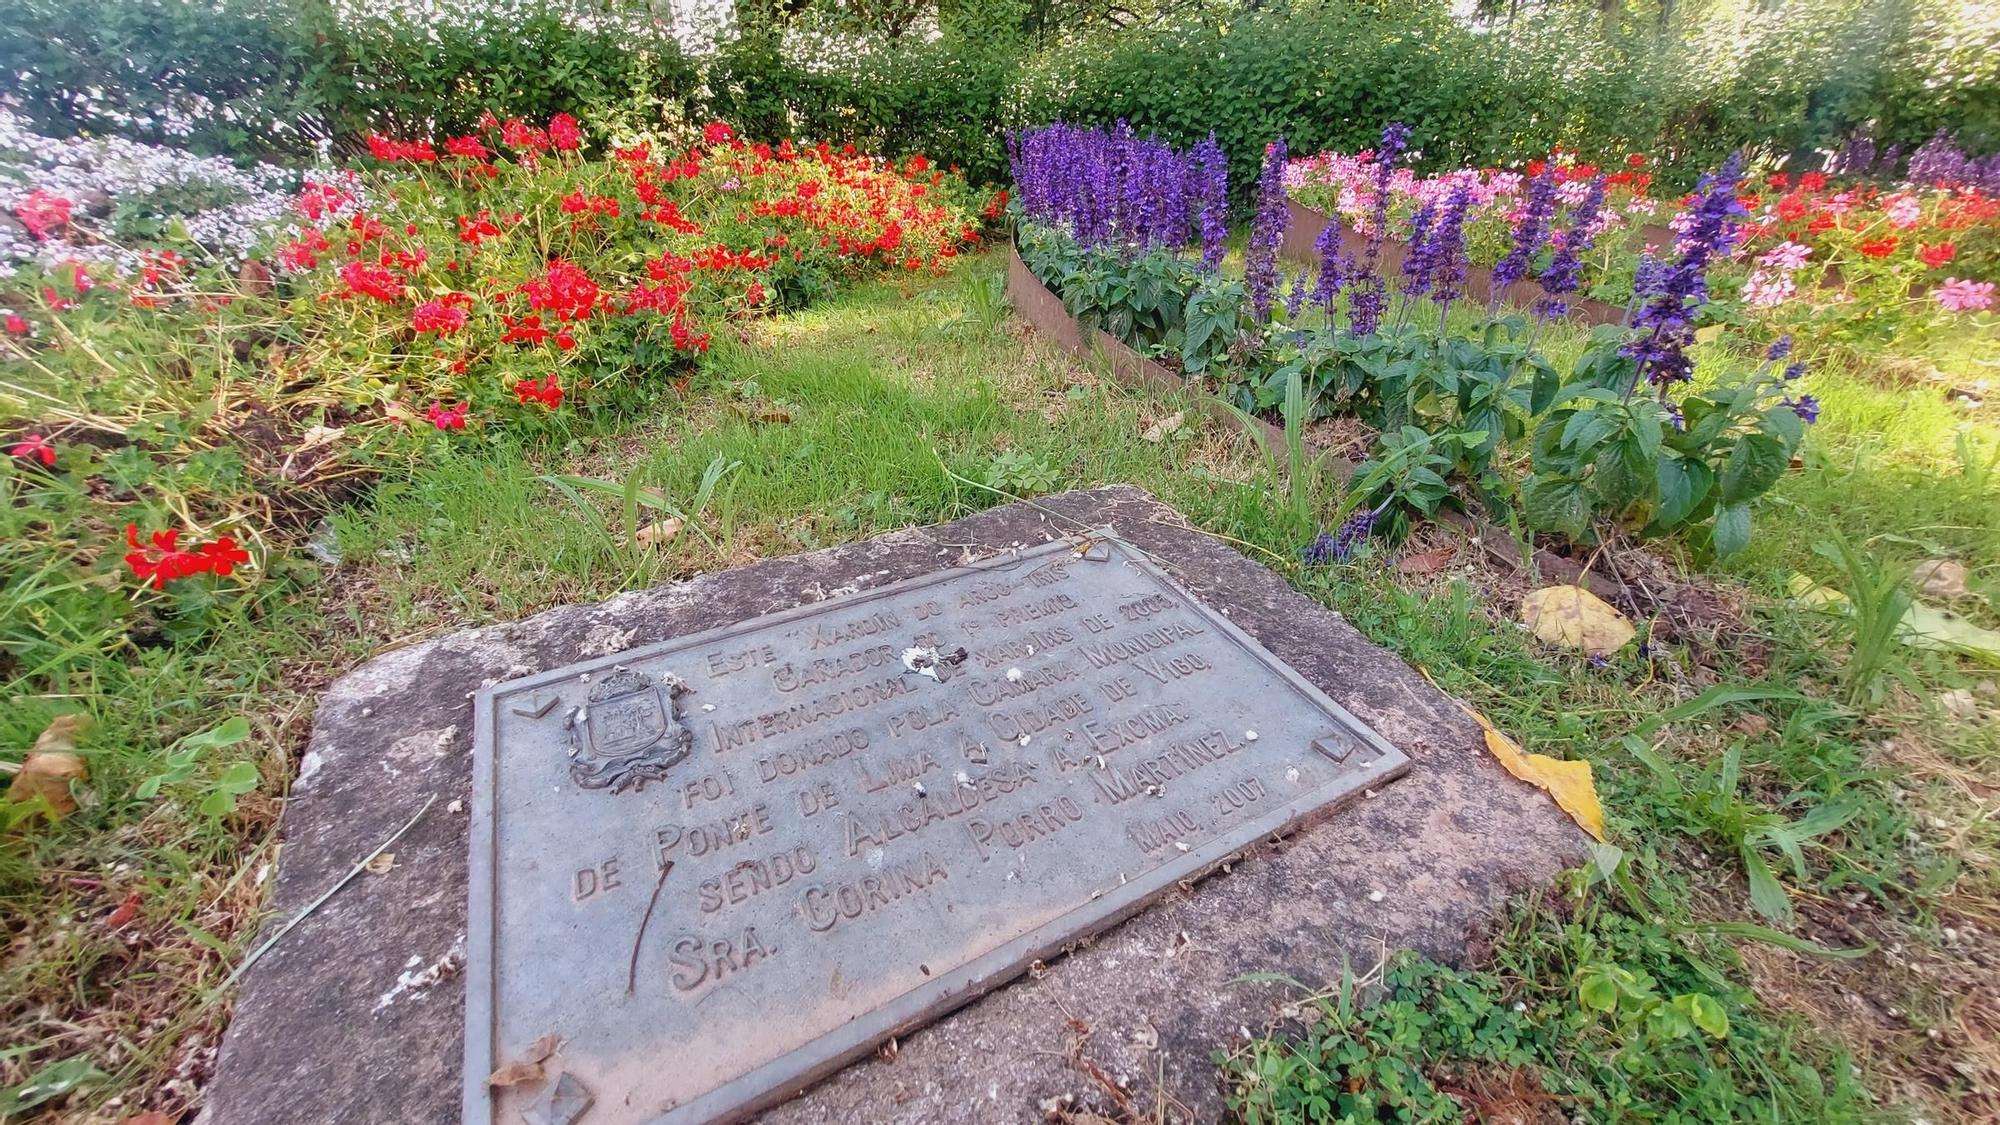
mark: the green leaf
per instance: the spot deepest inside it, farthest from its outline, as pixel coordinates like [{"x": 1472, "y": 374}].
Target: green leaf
[
  {"x": 240, "y": 777},
  {"x": 1753, "y": 467},
  {"x": 1682, "y": 484},
  {"x": 229, "y": 732},
  {"x": 1704, "y": 1012},
  {"x": 1598, "y": 990},
  {"x": 1555, "y": 504},
  {"x": 218, "y": 804},
  {"x": 1766, "y": 895},
  {"x": 1732, "y": 529}
]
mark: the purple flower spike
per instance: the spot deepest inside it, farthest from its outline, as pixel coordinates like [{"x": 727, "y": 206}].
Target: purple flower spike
[
  {"x": 1565, "y": 273},
  {"x": 1530, "y": 234},
  {"x": 1673, "y": 293},
  {"x": 1267, "y": 230}
]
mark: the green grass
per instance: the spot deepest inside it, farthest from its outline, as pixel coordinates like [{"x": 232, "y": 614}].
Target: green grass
[{"x": 870, "y": 413}]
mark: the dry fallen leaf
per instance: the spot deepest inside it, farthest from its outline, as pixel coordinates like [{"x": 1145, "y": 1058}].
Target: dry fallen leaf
[
  {"x": 151, "y": 1117},
  {"x": 1569, "y": 782},
  {"x": 1165, "y": 426},
  {"x": 659, "y": 534},
  {"x": 1959, "y": 704},
  {"x": 515, "y": 1074},
  {"x": 1926, "y": 626},
  {"x": 382, "y": 864},
  {"x": 52, "y": 765},
  {"x": 527, "y": 1070},
  {"x": 1428, "y": 562},
  {"x": 1573, "y": 616},
  {"x": 1941, "y": 578}
]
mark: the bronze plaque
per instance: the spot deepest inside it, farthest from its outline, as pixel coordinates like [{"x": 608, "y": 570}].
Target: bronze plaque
[{"x": 721, "y": 867}]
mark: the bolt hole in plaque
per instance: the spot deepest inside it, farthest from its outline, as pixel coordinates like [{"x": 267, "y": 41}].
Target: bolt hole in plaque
[{"x": 875, "y": 809}]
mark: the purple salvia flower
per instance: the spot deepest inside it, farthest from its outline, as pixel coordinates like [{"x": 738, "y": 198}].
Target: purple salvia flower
[
  {"x": 1564, "y": 274},
  {"x": 1368, "y": 294},
  {"x": 1793, "y": 371},
  {"x": 1267, "y": 230},
  {"x": 1780, "y": 348},
  {"x": 1419, "y": 261},
  {"x": 1448, "y": 260},
  {"x": 1326, "y": 289},
  {"x": 1295, "y": 295},
  {"x": 1665, "y": 319},
  {"x": 1530, "y": 234},
  {"x": 1210, "y": 170},
  {"x": 1805, "y": 406}
]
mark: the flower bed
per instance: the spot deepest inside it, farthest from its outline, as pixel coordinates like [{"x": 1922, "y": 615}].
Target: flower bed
[
  {"x": 1625, "y": 439},
  {"x": 1306, "y": 226},
  {"x": 497, "y": 282},
  {"x": 1911, "y": 266}
]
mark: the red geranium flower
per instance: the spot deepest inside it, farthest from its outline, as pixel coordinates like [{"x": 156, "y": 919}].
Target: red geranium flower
[
  {"x": 547, "y": 391},
  {"x": 1813, "y": 181},
  {"x": 17, "y": 325},
  {"x": 1936, "y": 256},
  {"x": 563, "y": 133},
  {"x": 447, "y": 416},
  {"x": 34, "y": 447},
  {"x": 717, "y": 133},
  {"x": 1879, "y": 248},
  {"x": 43, "y": 213}
]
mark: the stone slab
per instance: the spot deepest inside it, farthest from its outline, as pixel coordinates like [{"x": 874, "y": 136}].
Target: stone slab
[
  {"x": 357, "y": 1015},
  {"x": 863, "y": 812}
]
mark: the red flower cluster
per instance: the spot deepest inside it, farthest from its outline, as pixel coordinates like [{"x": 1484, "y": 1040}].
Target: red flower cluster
[
  {"x": 478, "y": 228},
  {"x": 365, "y": 280},
  {"x": 547, "y": 391},
  {"x": 43, "y": 213},
  {"x": 159, "y": 560},
  {"x": 447, "y": 416},
  {"x": 443, "y": 315},
  {"x": 564, "y": 290},
  {"x": 577, "y": 203},
  {"x": 393, "y": 151}
]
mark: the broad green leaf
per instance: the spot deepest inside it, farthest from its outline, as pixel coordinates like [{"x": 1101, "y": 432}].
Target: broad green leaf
[
  {"x": 1732, "y": 529},
  {"x": 1704, "y": 1012},
  {"x": 1752, "y": 468}
]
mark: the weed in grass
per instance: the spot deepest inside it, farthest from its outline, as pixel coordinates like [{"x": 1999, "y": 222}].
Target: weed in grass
[{"x": 1877, "y": 598}]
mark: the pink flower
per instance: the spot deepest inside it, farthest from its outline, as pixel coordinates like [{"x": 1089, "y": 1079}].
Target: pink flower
[
  {"x": 1764, "y": 290},
  {"x": 1903, "y": 211},
  {"x": 1963, "y": 295},
  {"x": 1788, "y": 257},
  {"x": 446, "y": 416}
]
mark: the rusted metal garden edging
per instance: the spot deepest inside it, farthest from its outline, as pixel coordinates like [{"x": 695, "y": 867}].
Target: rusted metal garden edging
[
  {"x": 1300, "y": 245},
  {"x": 1044, "y": 312}
]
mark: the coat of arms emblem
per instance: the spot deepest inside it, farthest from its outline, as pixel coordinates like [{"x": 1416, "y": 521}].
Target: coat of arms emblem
[{"x": 629, "y": 733}]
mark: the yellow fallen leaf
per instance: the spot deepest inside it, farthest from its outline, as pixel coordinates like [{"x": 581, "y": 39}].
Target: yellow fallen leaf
[
  {"x": 1573, "y": 616},
  {"x": 382, "y": 864},
  {"x": 1806, "y": 592},
  {"x": 659, "y": 534},
  {"x": 52, "y": 765},
  {"x": 1569, "y": 782}
]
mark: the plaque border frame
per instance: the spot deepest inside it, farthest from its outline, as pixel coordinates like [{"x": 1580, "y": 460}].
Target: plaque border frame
[{"x": 790, "y": 1074}]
